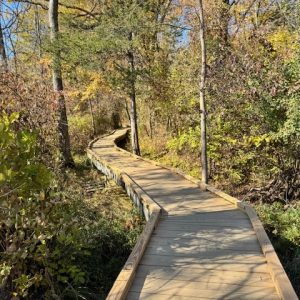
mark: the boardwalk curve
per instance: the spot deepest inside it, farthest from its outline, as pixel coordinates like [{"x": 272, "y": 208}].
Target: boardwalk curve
[{"x": 198, "y": 243}]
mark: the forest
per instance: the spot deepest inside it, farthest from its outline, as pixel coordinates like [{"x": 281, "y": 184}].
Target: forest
[{"x": 211, "y": 88}]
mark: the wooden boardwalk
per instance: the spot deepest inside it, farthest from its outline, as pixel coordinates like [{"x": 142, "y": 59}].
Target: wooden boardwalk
[{"x": 203, "y": 247}]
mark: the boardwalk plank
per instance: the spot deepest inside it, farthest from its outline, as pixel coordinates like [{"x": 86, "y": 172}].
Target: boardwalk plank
[
  {"x": 198, "y": 233},
  {"x": 216, "y": 295},
  {"x": 219, "y": 255},
  {"x": 193, "y": 289},
  {"x": 204, "y": 275},
  {"x": 207, "y": 225},
  {"x": 202, "y": 243},
  {"x": 192, "y": 262}
]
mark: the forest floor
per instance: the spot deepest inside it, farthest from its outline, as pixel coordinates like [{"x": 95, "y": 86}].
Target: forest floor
[{"x": 108, "y": 202}]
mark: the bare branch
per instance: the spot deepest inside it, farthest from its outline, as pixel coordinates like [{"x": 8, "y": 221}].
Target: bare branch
[{"x": 44, "y": 6}]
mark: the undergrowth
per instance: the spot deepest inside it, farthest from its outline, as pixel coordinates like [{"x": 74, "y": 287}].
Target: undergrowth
[
  {"x": 282, "y": 224},
  {"x": 57, "y": 239}
]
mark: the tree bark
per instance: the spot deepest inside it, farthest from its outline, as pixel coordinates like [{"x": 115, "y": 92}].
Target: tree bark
[
  {"x": 2, "y": 47},
  {"x": 92, "y": 117},
  {"x": 63, "y": 129},
  {"x": 127, "y": 110},
  {"x": 133, "y": 114},
  {"x": 37, "y": 22},
  {"x": 225, "y": 18},
  {"x": 204, "y": 164}
]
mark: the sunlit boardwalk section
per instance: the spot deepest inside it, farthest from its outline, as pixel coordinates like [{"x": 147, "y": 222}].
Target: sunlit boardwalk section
[{"x": 203, "y": 246}]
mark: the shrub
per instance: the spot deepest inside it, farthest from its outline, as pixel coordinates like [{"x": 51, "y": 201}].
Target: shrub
[
  {"x": 53, "y": 244},
  {"x": 283, "y": 225},
  {"x": 81, "y": 132}
]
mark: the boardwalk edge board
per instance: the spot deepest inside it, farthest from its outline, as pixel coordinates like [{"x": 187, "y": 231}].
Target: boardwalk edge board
[{"x": 152, "y": 212}]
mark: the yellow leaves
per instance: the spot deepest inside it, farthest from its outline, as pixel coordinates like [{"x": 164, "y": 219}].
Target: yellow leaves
[
  {"x": 259, "y": 140},
  {"x": 92, "y": 89},
  {"x": 93, "y": 85},
  {"x": 74, "y": 94},
  {"x": 45, "y": 62},
  {"x": 97, "y": 84},
  {"x": 284, "y": 42}
]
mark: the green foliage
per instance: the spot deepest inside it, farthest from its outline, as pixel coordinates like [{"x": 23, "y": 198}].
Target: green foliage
[
  {"x": 81, "y": 129},
  {"x": 281, "y": 221},
  {"x": 19, "y": 168},
  {"x": 283, "y": 226},
  {"x": 52, "y": 242},
  {"x": 189, "y": 141},
  {"x": 81, "y": 132},
  {"x": 290, "y": 130}
]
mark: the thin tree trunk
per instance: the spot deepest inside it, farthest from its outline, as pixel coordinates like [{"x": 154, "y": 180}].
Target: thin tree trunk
[
  {"x": 2, "y": 47},
  {"x": 133, "y": 113},
  {"x": 151, "y": 125},
  {"x": 38, "y": 35},
  {"x": 63, "y": 130},
  {"x": 92, "y": 117},
  {"x": 204, "y": 164},
  {"x": 127, "y": 110},
  {"x": 14, "y": 52},
  {"x": 224, "y": 19}
]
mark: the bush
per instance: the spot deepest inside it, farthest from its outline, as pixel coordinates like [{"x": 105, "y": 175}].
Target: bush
[
  {"x": 53, "y": 244},
  {"x": 35, "y": 103},
  {"x": 81, "y": 132},
  {"x": 283, "y": 226}
]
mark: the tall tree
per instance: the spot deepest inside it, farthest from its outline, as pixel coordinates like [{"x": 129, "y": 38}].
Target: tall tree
[
  {"x": 63, "y": 130},
  {"x": 204, "y": 164},
  {"x": 133, "y": 115}
]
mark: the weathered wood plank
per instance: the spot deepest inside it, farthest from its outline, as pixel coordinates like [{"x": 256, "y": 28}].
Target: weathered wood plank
[
  {"x": 192, "y": 262},
  {"x": 165, "y": 236},
  {"x": 202, "y": 243},
  {"x": 234, "y": 214},
  {"x": 195, "y": 289},
  {"x": 195, "y": 232},
  {"x": 221, "y": 222},
  {"x": 182, "y": 226},
  {"x": 158, "y": 296},
  {"x": 204, "y": 275},
  {"x": 218, "y": 255}
]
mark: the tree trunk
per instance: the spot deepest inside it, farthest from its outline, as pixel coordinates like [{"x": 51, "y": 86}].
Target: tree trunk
[
  {"x": 151, "y": 125},
  {"x": 204, "y": 164},
  {"x": 2, "y": 47},
  {"x": 127, "y": 110},
  {"x": 63, "y": 130},
  {"x": 224, "y": 19},
  {"x": 37, "y": 22},
  {"x": 92, "y": 117},
  {"x": 133, "y": 115}
]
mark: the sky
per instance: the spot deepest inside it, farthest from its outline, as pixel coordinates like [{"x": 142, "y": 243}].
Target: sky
[{"x": 8, "y": 9}]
